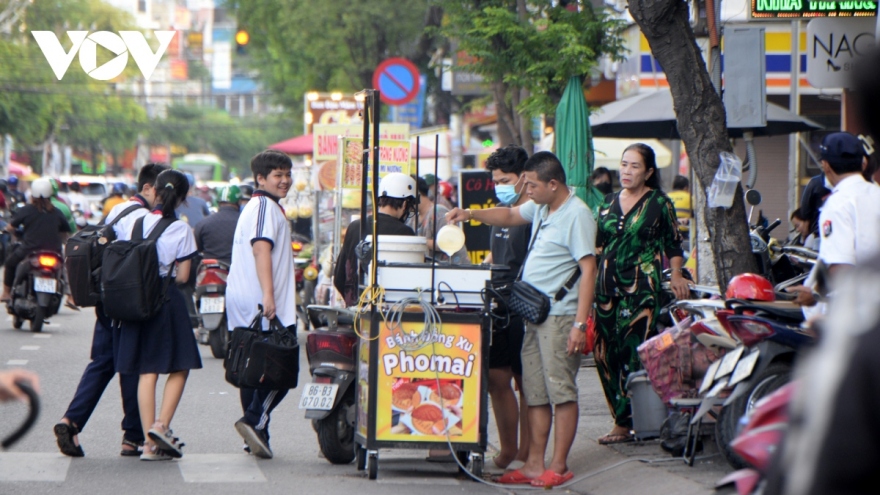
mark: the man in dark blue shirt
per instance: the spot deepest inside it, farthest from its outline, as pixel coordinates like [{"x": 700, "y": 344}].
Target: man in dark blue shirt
[{"x": 214, "y": 234}]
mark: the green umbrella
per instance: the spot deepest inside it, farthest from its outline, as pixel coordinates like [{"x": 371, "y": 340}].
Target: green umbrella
[{"x": 574, "y": 143}]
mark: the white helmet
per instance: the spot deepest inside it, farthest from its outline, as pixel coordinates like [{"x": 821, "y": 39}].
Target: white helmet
[
  {"x": 397, "y": 185},
  {"x": 42, "y": 188}
]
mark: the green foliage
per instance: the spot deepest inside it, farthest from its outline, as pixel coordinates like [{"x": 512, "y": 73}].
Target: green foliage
[
  {"x": 537, "y": 49},
  {"x": 202, "y": 130},
  {"x": 299, "y": 46}
]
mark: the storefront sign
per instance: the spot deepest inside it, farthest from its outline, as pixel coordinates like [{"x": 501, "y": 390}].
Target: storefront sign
[
  {"x": 476, "y": 191},
  {"x": 834, "y": 47},
  {"x": 330, "y": 108},
  {"x": 429, "y": 383},
  {"x": 792, "y": 9},
  {"x": 394, "y": 156}
]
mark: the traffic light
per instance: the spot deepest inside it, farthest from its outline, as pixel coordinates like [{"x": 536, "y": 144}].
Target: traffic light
[{"x": 241, "y": 40}]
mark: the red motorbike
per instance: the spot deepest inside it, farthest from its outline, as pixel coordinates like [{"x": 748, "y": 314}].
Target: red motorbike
[
  {"x": 759, "y": 440},
  {"x": 211, "y": 303}
]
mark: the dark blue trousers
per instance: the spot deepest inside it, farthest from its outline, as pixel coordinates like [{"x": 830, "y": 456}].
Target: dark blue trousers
[
  {"x": 97, "y": 376},
  {"x": 258, "y": 405}
]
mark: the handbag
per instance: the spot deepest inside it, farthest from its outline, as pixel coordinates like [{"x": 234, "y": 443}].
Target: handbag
[
  {"x": 267, "y": 360},
  {"x": 530, "y": 303}
]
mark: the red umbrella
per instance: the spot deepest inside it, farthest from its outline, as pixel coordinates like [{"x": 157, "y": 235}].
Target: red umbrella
[
  {"x": 300, "y": 145},
  {"x": 424, "y": 152},
  {"x": 19, "y": 169}
]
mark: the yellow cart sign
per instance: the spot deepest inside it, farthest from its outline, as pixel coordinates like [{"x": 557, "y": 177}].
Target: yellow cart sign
[{"x": 394, "y": 156}]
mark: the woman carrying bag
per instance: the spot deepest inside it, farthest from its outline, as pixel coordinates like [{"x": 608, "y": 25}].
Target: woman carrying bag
[{"x": 164, "y": 344}]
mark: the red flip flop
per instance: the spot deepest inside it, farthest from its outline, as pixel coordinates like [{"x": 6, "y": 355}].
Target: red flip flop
[
  {"x": 551, "y": 478},
  {"x": 515, "y": 477}
]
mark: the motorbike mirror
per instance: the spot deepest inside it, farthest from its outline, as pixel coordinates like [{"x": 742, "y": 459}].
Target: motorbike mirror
[{"x": 753, "y": 197}]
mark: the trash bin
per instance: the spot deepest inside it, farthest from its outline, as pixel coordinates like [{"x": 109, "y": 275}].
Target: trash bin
[{"x": 648, "y": 411}]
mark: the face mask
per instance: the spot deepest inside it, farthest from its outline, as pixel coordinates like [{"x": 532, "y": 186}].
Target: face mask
[
  {"x": 506, "y": 193},
  {"x": 604, "y": 188}
]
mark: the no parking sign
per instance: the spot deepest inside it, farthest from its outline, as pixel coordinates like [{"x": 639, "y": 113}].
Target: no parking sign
[{"x": 397, "y": 80}]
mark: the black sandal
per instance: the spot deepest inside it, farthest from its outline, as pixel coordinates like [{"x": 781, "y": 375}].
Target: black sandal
[
  {"x": 64, "y": 434},
  {"x": 136, "y": 448}
]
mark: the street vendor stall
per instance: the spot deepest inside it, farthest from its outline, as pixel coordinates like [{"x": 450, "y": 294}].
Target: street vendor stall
[{"x": 424, "y": 333}]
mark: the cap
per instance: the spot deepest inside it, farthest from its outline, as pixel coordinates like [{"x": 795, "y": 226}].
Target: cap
[{"x": 841, "y": 148}]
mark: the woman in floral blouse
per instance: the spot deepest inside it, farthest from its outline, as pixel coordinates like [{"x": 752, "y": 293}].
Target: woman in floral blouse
[{"x": 637, "y": 227}]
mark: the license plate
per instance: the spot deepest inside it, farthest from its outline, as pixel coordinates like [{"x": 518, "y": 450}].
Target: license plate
[
  {"x": 44, "y": 284},
  {"x": 744, "y": 368},
  {"x": 212, "y": 304},
  {"x": 318, "y": 396}
]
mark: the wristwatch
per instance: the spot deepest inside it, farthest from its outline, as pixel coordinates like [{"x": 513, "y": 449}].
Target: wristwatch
[{"x": 580, "y": 326}]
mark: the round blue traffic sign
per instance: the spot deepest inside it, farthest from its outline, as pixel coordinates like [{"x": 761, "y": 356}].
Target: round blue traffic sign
[{"x": 397, "y": 80}]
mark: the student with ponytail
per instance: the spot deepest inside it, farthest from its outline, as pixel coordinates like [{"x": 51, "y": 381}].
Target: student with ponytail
[{"x": 165, "y": 344}]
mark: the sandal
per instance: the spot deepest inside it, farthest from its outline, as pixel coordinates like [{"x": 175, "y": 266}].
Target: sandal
[
  {"x": 64, "y": 434},
  {"x": 515, "y": 477},
  {"x": 551, "y": 478},
  {"x": 165, "y": 440},
  {"x": 135, "y": 450},
  {"x": 71, "y": 305},
  {"x": 615, "y": 438}
]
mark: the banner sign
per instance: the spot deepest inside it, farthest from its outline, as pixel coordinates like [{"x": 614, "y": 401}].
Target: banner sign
[
  {"x": 394, "y": 156},
  {"x": 476, "y": 191},
  {"x": 793, "y": 9},
  {"x": 326, "y": 146},
  {"x": 429, "y": 382}
]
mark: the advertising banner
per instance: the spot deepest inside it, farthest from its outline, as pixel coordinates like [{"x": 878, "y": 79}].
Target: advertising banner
[
  {"x": 327, "y": 146},
  {"x": 477, "y": 191},
  {"x": 393, "y": 157},
  {"x": 429, "y": 382}
]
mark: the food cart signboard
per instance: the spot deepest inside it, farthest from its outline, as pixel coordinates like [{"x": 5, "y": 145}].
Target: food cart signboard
[
  {"x": 326, "y": 146},
  {"x": 477, "y": 191},
  {"x": 428, "y": 383},
  {"x": 393, "y": 157},
  {"x": 363, "y": 389}
]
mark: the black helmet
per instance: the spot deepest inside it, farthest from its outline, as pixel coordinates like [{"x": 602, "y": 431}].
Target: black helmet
[{"x": 3, "y": 187}]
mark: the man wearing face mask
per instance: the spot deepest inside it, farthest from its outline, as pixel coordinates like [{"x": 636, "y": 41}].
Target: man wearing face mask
[
  {"x": 509, "y": 246},
  {"x": 602, "y": 180},
  {"x": 397, "y": 202}
]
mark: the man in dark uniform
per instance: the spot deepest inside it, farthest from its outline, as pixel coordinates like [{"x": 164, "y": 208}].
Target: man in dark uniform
[
  {"x": 397, "y": 201},
  {"x": 215, "y": 234}
]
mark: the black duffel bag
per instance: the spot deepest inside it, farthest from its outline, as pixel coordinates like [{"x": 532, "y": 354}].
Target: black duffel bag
[{"x": 261, "y": 359}]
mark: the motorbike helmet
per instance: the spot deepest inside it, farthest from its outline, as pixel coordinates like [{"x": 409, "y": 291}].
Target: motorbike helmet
[
  {"x": 42, "y": 188},
  {"x": 119, "y": 188},
  {"x": 750, "y": 286},
  {"x": 445, "y": 189},
  {"x": 229, "y": 194},
  {"x": 247, "y": 191},
  {"x": 397, "y": 185},
  {"x": 12, "y": 181}
]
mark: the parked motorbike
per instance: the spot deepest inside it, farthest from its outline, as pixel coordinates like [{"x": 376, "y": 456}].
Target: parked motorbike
[
  {"x": 37, "y": 290},
  {"x": 759, "y": 440},
  {"x": 329, "y": 400},
  {"x": 211, "y": 302}
]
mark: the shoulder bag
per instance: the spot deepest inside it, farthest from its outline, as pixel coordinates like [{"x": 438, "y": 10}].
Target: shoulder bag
[
  {"x": 261, "y": 359},
  {"x": 530, "y": 303}
]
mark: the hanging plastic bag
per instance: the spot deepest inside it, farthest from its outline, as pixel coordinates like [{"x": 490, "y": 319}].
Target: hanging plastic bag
[{"x": 728, "y": 176}]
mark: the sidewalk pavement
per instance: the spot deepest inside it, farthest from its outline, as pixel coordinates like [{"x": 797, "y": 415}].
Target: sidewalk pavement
[{"x": 621, "y": 469}]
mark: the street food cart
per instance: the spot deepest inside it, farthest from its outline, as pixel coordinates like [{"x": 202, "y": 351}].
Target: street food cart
[{"x": 424, "y": 333}]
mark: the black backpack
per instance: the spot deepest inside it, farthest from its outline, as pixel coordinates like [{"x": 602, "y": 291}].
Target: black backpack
[
  {"x": 83, "y": 256},
  {"x": 131, "y": 287}
]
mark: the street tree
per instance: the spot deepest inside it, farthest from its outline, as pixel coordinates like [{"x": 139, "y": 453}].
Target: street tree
[
  {"x": 701, "y": 123},
  {"x": 527, "y": 50}
]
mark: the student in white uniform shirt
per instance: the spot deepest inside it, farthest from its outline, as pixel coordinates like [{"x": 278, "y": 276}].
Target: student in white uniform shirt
[
  {"x": 849, "y": 223},
  {"x": 262, "y": 248},
  {"x": 165, "y": 344}
]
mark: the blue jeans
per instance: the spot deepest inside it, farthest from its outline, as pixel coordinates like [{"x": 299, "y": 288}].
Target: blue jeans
[{"x": 95, "y": 379}]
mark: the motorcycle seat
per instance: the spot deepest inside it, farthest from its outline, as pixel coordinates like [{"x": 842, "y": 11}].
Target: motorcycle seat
[{"x": 780, "y": 309}]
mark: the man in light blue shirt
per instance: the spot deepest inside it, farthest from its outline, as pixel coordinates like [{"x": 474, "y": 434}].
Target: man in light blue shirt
[{"x": 551, "y": 353}]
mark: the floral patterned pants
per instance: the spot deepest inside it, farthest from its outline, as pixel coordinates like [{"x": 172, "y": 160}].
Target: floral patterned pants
[{"x": 622, "y": 324}]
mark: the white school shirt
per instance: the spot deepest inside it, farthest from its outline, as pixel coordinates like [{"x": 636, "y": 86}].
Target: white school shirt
[
  {"x": 125, "y": 223},
  {"x": 176, "y": 244},
  {"x": 262, "y": 219}
]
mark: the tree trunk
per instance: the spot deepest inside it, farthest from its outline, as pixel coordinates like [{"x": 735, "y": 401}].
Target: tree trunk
[{"x": 701, "y": 124}]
